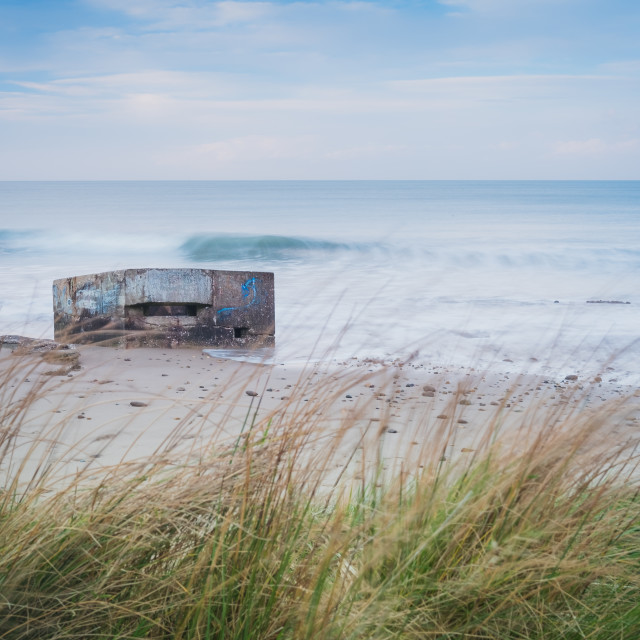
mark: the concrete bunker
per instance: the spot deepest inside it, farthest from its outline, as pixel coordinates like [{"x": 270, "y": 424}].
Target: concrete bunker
[{"x": 166, "y": 307}]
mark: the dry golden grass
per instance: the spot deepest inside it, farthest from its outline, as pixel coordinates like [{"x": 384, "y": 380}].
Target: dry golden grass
[{"x": 250, "y": 541}]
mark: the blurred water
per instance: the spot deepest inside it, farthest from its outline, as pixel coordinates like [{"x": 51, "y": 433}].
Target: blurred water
[{"x": 463, "y": 271}]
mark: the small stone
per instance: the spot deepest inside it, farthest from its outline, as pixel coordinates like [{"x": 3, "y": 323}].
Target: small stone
[
  {"x": 183, "y": 389},
  {"x": 137, "y": 403},
  {"x": 348, "y": 396},
  {"x": 461, "y": 421},
  {"x": 442, "y": 416},
  {"x": 409, "y": 384},
  {"x": 390, "y": 430},
  {"x": 253, "y": 394},
  {"x": 571, "y": 377},
  {"x": 429, "y": 394},
  {"x": 466, "y": 450},
  {"x": 597, "y": 379},
  {"x": 428, "y": 387},
  {"x": 465, "y": 402},
  {"x": 81, "y": 416},
  {"x": 127, "y": 359}
]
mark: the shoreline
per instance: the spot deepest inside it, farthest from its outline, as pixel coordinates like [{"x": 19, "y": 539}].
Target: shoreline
[{"x": 127, "y": 406}]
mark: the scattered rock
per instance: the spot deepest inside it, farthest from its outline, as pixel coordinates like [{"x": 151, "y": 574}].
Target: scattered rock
[
  {"x": 465, "y": 402},
  {"x": 253, "y": 394},
  {"x": 61, "y": 371},
  {"x": 23, "y": 345},
  {"x": 597, "y": 379},
  {"x": 348, "y": 396},
  {"x": 137, "y": 403},
  {"x": 390, "y": 430},
  {"x": 461, "y": 421},
  {"x": 409, "y": 384},
  {"x": 571, "y": 377},
  {"x": 429, "y": 394},
  {"x": 442, "y": 416},
  {"x": 428, "y": 387},
  {"x": 466, "y": 450}
]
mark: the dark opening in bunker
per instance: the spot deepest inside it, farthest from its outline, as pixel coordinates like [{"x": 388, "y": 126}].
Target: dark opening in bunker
[
  {"x": 170, "y": 309},
  {"x": 240, "y": 332},
  {"x": 165, "y": 309}
]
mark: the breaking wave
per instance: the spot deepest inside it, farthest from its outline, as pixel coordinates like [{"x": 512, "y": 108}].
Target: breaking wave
[{"x": 210, "y": 248}]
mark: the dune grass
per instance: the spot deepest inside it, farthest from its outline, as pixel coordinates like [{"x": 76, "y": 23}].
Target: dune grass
[{"x": 246, "y": 543}]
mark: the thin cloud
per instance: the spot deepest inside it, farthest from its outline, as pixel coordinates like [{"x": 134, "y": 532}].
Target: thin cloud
[{"x": 594, "y": 147}]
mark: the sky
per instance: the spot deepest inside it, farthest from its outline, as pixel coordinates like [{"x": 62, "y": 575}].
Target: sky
[{"x": 314, "y": 89}]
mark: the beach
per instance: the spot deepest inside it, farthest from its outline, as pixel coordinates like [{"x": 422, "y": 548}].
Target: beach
[{"x": 90, "y": 408}]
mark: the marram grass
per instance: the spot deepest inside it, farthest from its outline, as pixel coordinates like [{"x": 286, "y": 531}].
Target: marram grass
[{"x": 245, "y": 544}]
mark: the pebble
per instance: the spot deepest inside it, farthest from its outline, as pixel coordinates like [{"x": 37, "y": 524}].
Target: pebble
[
  {"x": 429, "y": 394},
  {"x": 442, "y": 416},
  {"x": 137, "y": 403},
  {"x": 428, "y": 387},
  {"x": 392, "y": 430},
  {"x": 251, "y": 393},
  {"x": 571, "y": 377}
]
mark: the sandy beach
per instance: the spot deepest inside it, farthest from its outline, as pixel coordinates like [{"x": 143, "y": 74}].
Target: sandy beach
[{"x": 92, "y": 407}]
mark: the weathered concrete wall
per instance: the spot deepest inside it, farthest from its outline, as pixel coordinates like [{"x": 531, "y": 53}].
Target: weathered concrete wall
[{"x": 166, "y": 307}]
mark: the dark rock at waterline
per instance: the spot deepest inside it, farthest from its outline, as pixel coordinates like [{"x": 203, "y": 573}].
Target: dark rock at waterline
[
  {"x": 137, "y": 403},
  {"x": 607, "y": 302},
  {"x": 23, "y": 345}
]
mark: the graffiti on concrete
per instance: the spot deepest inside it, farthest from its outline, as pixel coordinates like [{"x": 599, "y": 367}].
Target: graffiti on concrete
[{"x": 249, "y": 290}]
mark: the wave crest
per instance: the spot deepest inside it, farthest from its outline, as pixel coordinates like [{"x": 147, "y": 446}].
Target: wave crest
[{"x": 209, "y": 248}]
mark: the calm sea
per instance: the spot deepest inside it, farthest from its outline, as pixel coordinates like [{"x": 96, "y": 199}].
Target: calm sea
[{"x": 463, "y": 272}]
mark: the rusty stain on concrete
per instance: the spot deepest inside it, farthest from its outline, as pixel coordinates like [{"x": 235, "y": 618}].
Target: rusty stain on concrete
[{"x": 166, "y": 307}]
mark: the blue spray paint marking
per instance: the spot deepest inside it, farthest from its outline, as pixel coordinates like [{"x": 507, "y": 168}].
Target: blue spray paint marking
[{"x": 248, "y": 289}]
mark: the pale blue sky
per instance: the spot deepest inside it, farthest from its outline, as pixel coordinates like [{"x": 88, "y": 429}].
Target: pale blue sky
[{"x": 387, "y": 89}]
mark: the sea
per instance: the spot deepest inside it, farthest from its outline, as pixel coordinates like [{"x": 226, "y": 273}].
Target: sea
[{"x": 515, "y": 276}]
